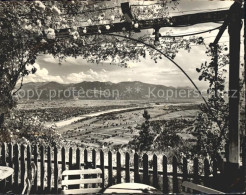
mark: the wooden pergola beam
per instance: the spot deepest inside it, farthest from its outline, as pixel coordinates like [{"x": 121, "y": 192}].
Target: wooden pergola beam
[
  {"x": 175, "y": 21},
  {"x": 234, "y": 30}
]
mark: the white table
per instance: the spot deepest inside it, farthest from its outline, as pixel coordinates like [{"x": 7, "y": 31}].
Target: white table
[
  {"x": 134, "y": 188},
  {"x": 5, "y": 172}
]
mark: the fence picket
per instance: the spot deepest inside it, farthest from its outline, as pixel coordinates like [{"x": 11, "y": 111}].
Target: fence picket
[
  {"x": 165, "y": 178},
  {"x": 102, "y": 167},
  {"x": 23, "y": 166},
  {"x": 136, "y": 168},
  {"x": 78, "y": 159},
  {"x": 63, "y": 157},
  {"x": 28, "y": 156},
  {"x": 42, "y": 168},
  {"x": 195, "y": 171},
  {"x": 185, "y": 172},
  {"x": 155, "y": 172},
  {"x": 16, "y": 165},
  {"x": 16, "y": 159},
  {"x": 243, "y": 164},
  {"x": 10, "y": 152},
  {"x": 185, "y": 169},
  {"x": 48, "y": 170},
  {"x": 94, "y": 164},
  {"x": 85, "y": 158},
  {"x": 55, "y": 170},
  {"x": 118, "y": 156},
  {"x": 70, "y": 158},
  {"x": 35, "y": 154},
  {"x": 215, "y": 167},
  {"x": 85, "y": 164},
  {"x": 145, "y": 169},
  {"x": 94, "y": 158},
  {"x": 127, "y": 166},
  {"x": 3, "y": 163},
  {"x": 175, "y": 175},
  {"x": 3, "y": 154},
  {"x": 10, "y": 161},
  {"x": 206, "y": 172},
  {"x": 110, "y": 169}
]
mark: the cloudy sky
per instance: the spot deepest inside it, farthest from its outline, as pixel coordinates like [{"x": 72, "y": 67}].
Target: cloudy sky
[{"x": 164, "y": 72}]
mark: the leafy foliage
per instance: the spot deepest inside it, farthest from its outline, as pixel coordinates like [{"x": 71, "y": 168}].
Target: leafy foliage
[
  {"x": 55, "y": 27},
  {"x": 27, "y": 130},
  {"x": 144, "y": 141},
  {"x": 31, "y": 28},
  {"x": 211, "y": 126},
  {"x": 163, "y": 135}
]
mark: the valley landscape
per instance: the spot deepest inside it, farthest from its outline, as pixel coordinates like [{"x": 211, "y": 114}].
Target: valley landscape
[{"x": 107, "y": 123}]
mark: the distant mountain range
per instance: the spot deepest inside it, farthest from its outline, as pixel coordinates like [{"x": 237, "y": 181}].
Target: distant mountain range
[{"x": 132, "y": 90}]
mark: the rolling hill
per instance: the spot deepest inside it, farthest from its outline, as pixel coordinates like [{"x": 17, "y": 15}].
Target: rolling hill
[{"x": 132, "y": 90}]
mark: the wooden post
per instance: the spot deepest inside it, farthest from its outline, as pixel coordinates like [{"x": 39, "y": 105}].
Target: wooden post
[
  {"x": 155, "y": 172},
  {"x": 244, "y": 164},
  {"x": 145, "y": 169},
  {"x": 215, "y": 167},
  {"x": 42, "y": 186},
  {"x": 110, "y": 169},
  {"x": 35, "y": 185},
  {"x": 175, "y": 175},
  {"x": 10, "y": 160},
  {"x": 234, "y": 93},
  {"x": 185, "y": 171},
  {"x": 165, "y": 178},
  {"x": 94, "y": 155},
  {"x": 78, "y": 159},
  {"x": 118, "y": 157},
  {"x": 195, "y": 171},
  {"x": 206, "y": 172},
  {"x": 48, "y": 170},
  {"x": 63, "y": 157},
  {"x": 85, "y": 164},
  {"x": 94, "y": 158},
  {"x": 16, "y": 165},
  {"x": 55, "y": 170},
  {"x": 102, "y": 168},
  {"x": 244, "y": 54},
  {"x": 23, "y": 165},
  {"x": 136, "y": 168},
  {"x": 70, "y": 158},
  {"x": 127, "y": 166},
  {"x": 85, "y": 158},
  {"x": 3, "y": 163}
]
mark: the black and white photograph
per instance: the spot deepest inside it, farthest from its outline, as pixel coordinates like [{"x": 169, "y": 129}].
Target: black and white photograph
[{"x": 122, "y": 97}]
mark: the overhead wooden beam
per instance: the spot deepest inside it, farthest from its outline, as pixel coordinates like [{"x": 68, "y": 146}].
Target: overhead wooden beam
[
  {"x": 234, "y": 29},
  {"x": 176, "y": 21}
]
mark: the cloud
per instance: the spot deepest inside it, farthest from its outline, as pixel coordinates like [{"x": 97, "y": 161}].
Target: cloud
[
  {"x": 42, "y": 75},
  {"x": 50, "y": 59},
  {"x": 89, "y": 75}
]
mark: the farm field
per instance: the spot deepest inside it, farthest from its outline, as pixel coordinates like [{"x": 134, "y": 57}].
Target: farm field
[
  {"x": 106, "y": 123},
  {"x": 115, "y": 129}
]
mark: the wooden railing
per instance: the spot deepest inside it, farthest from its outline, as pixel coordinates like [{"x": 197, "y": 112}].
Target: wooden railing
[{"x": 163, "y": 173}]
